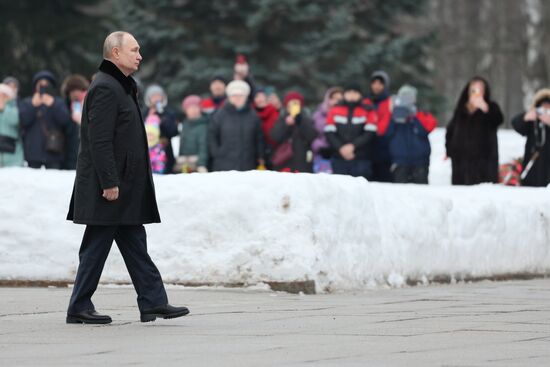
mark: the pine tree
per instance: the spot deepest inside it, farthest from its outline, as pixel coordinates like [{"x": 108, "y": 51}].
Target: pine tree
[
  {"x": 291, "y": 44},
  {"x": 62, "y": 36}
]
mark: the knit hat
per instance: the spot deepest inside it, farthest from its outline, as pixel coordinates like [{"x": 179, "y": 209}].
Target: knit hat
[
  {"x": 192, "y": 100},
  {"x": 407, "y": 95},
  {"x": 219, "y": 78},
  {"x": 353, "y": 86},
  {"x": 151, "y": 91},
  {"x": 382, "y": 76},
  {"x": 293, "y": 95},
  {"x": 11, "y": 79},
  {"x": 44, "y": 74},
  {"x": 6, "y": 89},
  {"x": 238, "y": 87}
]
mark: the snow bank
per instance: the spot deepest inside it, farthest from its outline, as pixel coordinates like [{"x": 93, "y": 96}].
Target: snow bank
[{"x": 344, "y": 233}]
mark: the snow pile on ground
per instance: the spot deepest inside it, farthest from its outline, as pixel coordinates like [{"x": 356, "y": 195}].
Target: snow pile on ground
[{"x": 344, "y": 233}]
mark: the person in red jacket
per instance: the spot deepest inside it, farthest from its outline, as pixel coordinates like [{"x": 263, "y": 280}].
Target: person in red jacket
[
  {"x": 380, "y": 100},
  {"x": 351, "y": 130},
  {"x": 269, "y": 116}
]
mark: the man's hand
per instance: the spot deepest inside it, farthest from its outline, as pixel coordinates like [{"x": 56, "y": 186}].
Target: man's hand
[
  {"x": 531, "y": 115},
  {"x": 479, "y": 103},
  {"x": 111, "y": 194},
  {"x": 48, "y": 100},
  {"x": 347, "y": 151},
  {"x": 290, "y": 121},
  {"x": 36, "y": 100}
]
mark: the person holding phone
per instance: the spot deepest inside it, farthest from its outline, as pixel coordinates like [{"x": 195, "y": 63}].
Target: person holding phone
[
  {"x": 44, "y": 117},
  {"x": 74, "y": 89},
  {"x": 293, "y": 132},
  {"x": 471, "y": 137},
  {"x": 535, "y": 125},
  {"x": 11, "y": 152}
]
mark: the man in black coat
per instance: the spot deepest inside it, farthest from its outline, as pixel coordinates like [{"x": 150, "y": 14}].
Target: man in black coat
[{"x": 114, "y": 194}]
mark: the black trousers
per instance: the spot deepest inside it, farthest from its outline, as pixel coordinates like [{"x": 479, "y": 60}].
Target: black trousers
[
  {"x": 410, "y": 174},
  {"x": 53, "y": 165},
  {"x": 132, "y": 243}
]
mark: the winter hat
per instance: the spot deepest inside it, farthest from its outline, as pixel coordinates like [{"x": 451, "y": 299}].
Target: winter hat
[
  {"x": 6, "y": 89},
  {"x": 407, "y": 95},
  {"x": 541, "y": 97},
  {"x": 192, "y": 100},
  {"x": 260, "y": 90},
  {"x": 353, "y": 86},
  {"x": 44, "y": 74},
  {"x": 218, "y": 78},
  {"x": 294, "y": 95},
  {"x": 238, "y": 87},
  {"x": 382, "y": 76},
  {"x": 11, "y": 79},
  {"x": 151, "y": 91}
]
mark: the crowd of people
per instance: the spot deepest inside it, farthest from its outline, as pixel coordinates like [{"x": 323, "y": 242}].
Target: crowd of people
[{"x": 242, "y": 126}]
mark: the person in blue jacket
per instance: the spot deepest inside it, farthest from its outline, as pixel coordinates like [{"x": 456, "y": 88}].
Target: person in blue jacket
[{"x": 408, "y": 136}]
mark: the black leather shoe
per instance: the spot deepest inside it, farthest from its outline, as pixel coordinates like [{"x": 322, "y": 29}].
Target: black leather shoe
[
  {"x": 165, "y": 312},
  {"x": 88, "y": 317}
]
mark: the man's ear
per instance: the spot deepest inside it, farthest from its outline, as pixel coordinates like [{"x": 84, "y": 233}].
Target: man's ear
[{"x": 115, "y": 52}]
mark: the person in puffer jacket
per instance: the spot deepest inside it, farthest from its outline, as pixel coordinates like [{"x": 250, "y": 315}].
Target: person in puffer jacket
[
  {"x": 408, "y": 138},
  {"x": 351, "y": 130}
]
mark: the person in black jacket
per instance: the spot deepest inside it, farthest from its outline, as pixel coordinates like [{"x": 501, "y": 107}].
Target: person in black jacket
[
  {"x": 114, "y": 194},
  {"x": 535, "y": 125},
  {"x": 156, "y": 102},
  {"x": 235, "y": 137},
  {"x": 294, "y": 133},
  {"x": 43, "y": 114},
  {"x": 471, "y": 138}
]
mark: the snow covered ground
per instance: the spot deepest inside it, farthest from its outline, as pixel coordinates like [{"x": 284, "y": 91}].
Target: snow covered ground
[{"x": 344, "y": 233}]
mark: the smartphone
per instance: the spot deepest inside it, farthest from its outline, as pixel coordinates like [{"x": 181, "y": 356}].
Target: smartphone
[
  {"x": 294, "y": 108},
  {"x": 76, "y": 107}
]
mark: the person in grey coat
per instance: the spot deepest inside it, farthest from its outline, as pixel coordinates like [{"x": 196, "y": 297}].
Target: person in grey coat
[
  {"x": 114, "y": 194},
  {"x": 235, "y": 137}
]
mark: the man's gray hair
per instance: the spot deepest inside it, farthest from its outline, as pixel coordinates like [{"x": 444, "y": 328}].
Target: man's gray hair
[{"x": 114, "y": 39}]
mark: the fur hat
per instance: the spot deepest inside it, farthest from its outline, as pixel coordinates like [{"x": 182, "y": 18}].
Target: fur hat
[{"x": 541, "y": 96}]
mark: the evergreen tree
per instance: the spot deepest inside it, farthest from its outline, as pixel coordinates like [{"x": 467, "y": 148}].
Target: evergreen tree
[
  {"x": 291, "y": 44},
  {"x": 62, "y": 36}
]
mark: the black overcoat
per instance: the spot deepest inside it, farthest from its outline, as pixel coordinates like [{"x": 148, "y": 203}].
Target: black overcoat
[
  {"x": 113, "y": 152},
  {"x": 235, "y": 139}
]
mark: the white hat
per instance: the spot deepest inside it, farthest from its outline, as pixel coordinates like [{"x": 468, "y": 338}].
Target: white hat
[
  {"x": 238, "y": 87},
  {"x": 6, "y": 89}
]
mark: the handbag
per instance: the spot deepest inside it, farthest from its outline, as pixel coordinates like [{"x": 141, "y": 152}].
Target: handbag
[
  {"x": 7, "y": 144},
  {"x": 55, "y": 140},
  {"x": 282, "y": 154}
]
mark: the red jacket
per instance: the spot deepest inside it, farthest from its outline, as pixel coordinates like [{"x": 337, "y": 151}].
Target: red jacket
[
  {"x": 357, "y": 127},
  {"x": 383, "y": 114}
]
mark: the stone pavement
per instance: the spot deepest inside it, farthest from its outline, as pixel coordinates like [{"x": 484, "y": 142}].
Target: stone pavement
[{"x": 481, "y": 324}]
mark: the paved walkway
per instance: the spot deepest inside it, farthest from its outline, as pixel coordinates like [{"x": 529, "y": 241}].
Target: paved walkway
[{"x": 483, "y": 324}]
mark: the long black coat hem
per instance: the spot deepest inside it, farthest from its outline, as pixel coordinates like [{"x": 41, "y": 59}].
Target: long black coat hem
[{"x": 107, "y": 223}]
